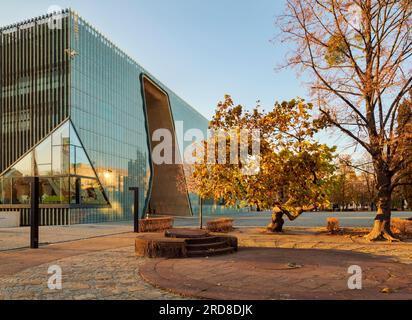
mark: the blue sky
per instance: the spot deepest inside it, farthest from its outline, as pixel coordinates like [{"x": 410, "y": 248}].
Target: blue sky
[{"x": 200, "y": 49}]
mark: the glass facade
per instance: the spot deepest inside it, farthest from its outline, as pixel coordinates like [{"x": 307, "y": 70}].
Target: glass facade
[
  {"x": 82, "y": 111},
  {"x": 107, "y": 111}
]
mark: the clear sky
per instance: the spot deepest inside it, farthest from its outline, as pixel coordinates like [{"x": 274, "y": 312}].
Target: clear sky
[{"x": 201, "y": 49}]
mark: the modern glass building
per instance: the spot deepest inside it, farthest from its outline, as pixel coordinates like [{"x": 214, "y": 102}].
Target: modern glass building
[{"x": 78, "y": 112}]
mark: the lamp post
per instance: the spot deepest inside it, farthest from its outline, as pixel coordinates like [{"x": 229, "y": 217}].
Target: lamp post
[{"x": 136, "y": 208}]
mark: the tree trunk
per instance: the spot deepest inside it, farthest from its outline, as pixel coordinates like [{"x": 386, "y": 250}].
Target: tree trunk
[
  {"x": 382, "y": 226},
  {"x": 277, "y": 222},
  {"x": 279, "y": 212},
  {"x": 381, "y": 230}
]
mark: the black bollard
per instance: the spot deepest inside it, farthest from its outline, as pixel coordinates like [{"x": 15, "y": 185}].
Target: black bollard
[
  {"x": 201, "y": 212},
  {"x": 136, "y": 208},
  {"x": 34, "y": 214}
]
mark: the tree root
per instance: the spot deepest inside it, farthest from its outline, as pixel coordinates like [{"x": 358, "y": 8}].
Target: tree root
[
  {"x": 381, "y": 232},
  {"x": 381, "y": 236}
]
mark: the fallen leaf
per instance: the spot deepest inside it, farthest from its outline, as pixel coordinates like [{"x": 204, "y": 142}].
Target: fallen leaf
[{"x": 387, "y": 290}]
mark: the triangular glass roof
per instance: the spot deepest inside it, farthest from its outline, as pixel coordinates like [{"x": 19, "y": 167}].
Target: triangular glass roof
[{"x": 67, "y": 175}]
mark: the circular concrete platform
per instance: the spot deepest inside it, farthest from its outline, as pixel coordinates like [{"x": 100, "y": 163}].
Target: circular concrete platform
[
  {"x": 184, "y": 243},
  {"x": 266, "y": 274}
]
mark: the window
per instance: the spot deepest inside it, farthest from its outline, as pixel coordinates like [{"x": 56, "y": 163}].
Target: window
[{"x": 67, "y": 176}]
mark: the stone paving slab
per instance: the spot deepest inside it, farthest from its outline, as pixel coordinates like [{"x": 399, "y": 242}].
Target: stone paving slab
[{"x": 265, "y": 274}]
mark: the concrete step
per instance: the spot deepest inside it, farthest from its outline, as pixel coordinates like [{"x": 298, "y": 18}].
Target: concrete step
[
  {"x": 210, "y": 253},
  {"x": 207, "y": 246},
  {"x": 202, "y": 240}
]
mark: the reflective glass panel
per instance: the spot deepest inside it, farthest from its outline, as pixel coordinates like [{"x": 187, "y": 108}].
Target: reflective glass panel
[
  {"x": 24, "y": 167},
  {"x": 73, "y": 189},
  {"x": 81, "y": 163},
  {"x": 49, "y": 158},
  {"x": 20, "y": 191},
  {"x": 55, "y": 191},
  {"x": 74, "y": 139},
  {"x": 61, "y": 160},
  {"x": 42, "y": 153},
  {"x": 5, "y": 191},
  {"x": 91, "y": 193},
  {"x": 62, "y": 135},
  {"x": 55, "y": 159}
]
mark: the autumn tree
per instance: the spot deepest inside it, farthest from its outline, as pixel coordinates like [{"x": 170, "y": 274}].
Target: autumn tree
[
  {"x": 405, "y": 178},
  {"x": 368, "y": 179},
  {"x": 355, "y": 182},
  {"x": 358, "y": 55},
  {"x": 344, "y": 191},
  {"x": 291, "y": 174}
]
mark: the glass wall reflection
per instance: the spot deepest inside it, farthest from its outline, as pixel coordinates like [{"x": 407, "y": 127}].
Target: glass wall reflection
[{"x": 67, "y": 177}]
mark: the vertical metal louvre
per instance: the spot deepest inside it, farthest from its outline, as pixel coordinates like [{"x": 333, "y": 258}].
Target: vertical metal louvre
[{"x": 34, "y": 83}]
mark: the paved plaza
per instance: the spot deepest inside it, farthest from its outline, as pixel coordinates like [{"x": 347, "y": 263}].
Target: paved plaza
[
  {"x": 17, "y": 238},
  {"x": 111, "y": 274},
  {"x": 276, "y": 274},
  {"x": 299, "y": 264},
  {"x": 99, "y": 268}
]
